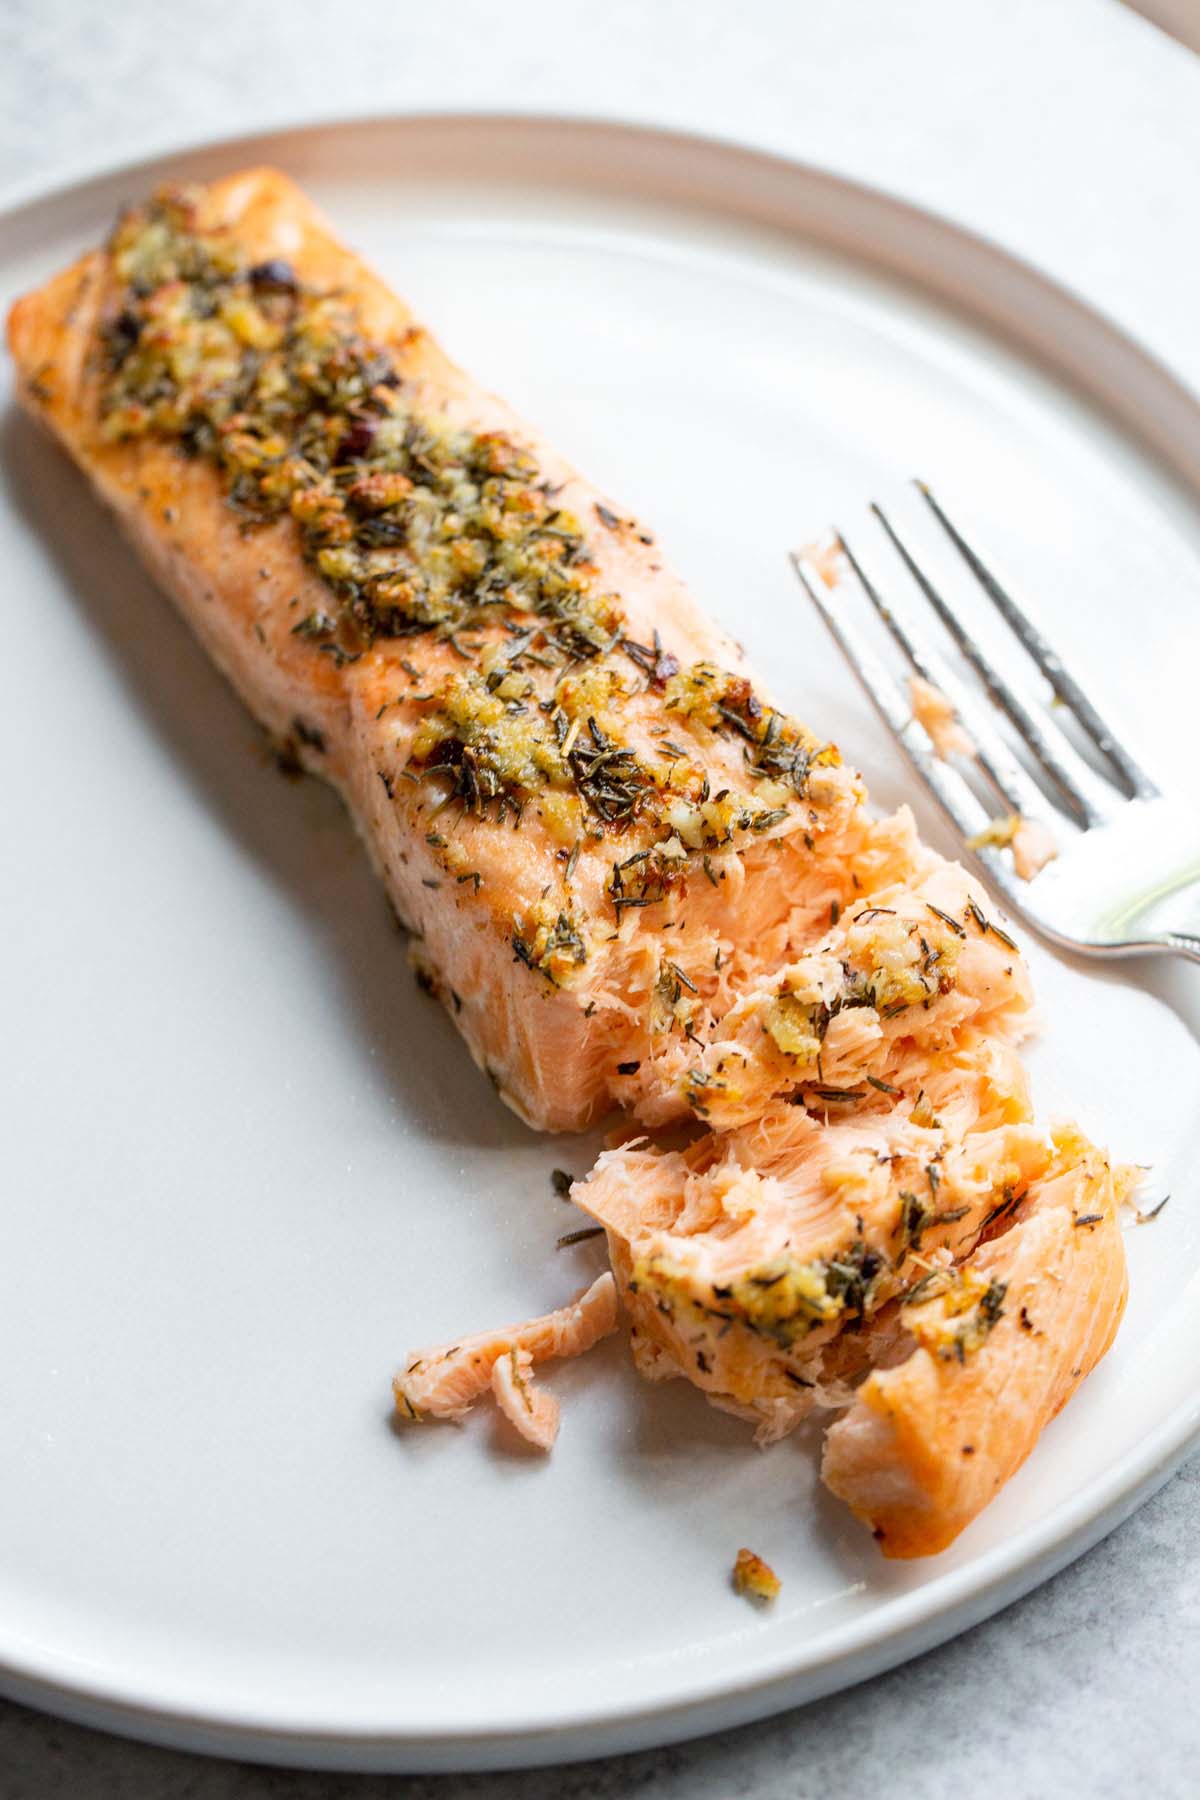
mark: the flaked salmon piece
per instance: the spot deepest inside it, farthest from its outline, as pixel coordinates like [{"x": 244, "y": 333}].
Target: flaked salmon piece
[
  {"x": 936, "y": 713},
  {"x": 1033, "y": 846},
  {"x": 529, "y": 1408},
  {"x": 743, "y": 1258},
  {"x": 445, "y": 1382},
  {"x": 1001, "y": 1344},
  {"x": 1031, "y": 841},
  {"x": 899, "y": 977}
]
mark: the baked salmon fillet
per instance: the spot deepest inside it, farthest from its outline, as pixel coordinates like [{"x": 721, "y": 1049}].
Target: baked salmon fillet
[{"x": 631, "y": 877}]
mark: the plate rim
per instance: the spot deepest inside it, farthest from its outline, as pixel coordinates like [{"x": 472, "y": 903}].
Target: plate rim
[{"x": 1168, "y": 421}]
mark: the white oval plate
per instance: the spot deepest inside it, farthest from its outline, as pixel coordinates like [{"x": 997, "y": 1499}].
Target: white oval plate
[{"x": 248, "y": 1166}]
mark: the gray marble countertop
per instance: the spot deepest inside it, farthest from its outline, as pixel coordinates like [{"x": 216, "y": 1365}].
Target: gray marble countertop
[{"x": 1090, "y": 1684}]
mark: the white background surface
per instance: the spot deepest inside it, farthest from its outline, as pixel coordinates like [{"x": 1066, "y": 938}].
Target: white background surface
[{"x": 1068, "y": 130}]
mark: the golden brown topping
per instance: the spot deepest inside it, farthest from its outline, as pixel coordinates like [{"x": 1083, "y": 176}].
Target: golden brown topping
[
  {"x": 415, "y": 524},
  {"x": 777, "y": 747},
  {"x": 548, "y": 938},
  {"x": 797, "y": 1027},
  {"x": 490, "y": 748},
  {"x": 888, "y": 964},
  {"x": 783, "y": 1300},
  {"x": 894, "y": 962},
  {"x": 649, "y": 876},
  {"x": 954, "y": 1312}
]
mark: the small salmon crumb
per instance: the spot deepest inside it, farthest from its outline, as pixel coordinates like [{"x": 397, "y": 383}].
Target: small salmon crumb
[
  {"x": 1031, "y": 843},
  {"x": 829, "y": 560},
  {"x": 755, "y": 1578},
  {"x": 933, "y": 711}
]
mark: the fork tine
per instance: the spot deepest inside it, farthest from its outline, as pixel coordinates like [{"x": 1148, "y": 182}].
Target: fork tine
[
  {"x": 1016, "y": 788},
  {"x": 1080, "y": 787},
  {"x": 890, "y": 702},
  {"x": 1130, "y": 777}
]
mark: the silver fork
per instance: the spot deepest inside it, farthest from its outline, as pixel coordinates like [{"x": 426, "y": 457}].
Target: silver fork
[{"x": 1126, "y": 876}]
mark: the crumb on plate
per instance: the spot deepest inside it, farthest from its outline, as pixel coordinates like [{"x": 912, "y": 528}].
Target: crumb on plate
[{"x": 755, "y": 1578}]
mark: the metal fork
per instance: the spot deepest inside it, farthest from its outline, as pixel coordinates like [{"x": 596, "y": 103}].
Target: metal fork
[{"x": 1126, "y": 876}]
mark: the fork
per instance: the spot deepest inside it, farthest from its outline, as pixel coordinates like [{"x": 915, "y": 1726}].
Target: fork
[{"x": 1125, "y": 878}]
